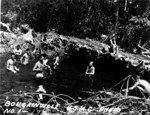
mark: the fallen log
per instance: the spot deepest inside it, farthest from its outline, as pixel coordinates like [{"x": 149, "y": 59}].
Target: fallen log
[{"x": 97, "y": 46}]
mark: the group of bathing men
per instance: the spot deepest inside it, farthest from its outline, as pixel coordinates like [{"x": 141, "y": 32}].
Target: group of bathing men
[
  {"x": 43, "y": 63},
  {"x": 24, "y": 57}
]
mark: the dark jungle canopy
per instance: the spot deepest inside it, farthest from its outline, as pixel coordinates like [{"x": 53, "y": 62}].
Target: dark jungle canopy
[{"x": 84, "y": 18}]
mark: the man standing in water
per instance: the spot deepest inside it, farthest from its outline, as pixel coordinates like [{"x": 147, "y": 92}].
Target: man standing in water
[
  {"x": 90, "y": 71},
  {"x": 56, "y": 63},
  {"x": 25, "y": 58},
  {"x": 11, "y": 64}
]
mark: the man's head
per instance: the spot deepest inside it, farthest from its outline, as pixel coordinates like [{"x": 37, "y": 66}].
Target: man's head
[
  {"x": 41, "y": 61},
  {"x": 28, "y": 51},
  {"x": 18, "y": 47},
  {"x": 12, "y": 55},
  {"x": 113, "y": 36},
  {"x": 91, "y": 63},
  {"x": 57, "y": 54},
  {"x": 44, "y": 56},
  {"x": 137, "y": 77},
  {"x": 40, "y": 57}
]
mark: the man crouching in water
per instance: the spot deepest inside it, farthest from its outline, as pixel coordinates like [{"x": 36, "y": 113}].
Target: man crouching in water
[
  {"x": 42, "y": 69},
  {"x": 11, "y": 64},
  {"x": 142, "y": 85},
  {"x": 38, "y": 68}
]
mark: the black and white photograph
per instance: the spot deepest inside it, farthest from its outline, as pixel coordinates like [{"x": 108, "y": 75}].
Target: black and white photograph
[{"x": 74, "y": 57}]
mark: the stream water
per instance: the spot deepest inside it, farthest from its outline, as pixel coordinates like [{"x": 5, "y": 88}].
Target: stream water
[
  {"x": 23, "y": 80},
  {"x": 67, "y": 79}
]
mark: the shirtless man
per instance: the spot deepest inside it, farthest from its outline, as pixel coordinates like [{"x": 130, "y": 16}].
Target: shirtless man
[
  {"x": 90, "y": 71},
  {"x": 40, "y": 90},
  {"x": 17, "y": 51},
  {"x": 25, "y": 58},
  {"x": 142, "y": 85},
  {"x": 11, "y": 64},
  {"x": 113, "y": 45},
  {"x": 56, "y": 63},
  {"x": 38, "y": 68},
  {"x": 35, "y": 53}
]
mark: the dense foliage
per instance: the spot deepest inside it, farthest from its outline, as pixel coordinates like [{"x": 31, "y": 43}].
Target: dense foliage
[{"x": 84, "y": 18}]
